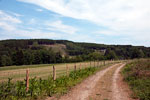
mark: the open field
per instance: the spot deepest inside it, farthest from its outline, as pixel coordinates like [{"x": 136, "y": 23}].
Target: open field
[{"x": 43, "y": 71}]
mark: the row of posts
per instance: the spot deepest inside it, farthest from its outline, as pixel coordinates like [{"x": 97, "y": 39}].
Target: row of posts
[{"x": 54, "y": 72}]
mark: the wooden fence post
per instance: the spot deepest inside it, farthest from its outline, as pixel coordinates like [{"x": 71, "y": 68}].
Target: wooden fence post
[
  {"x": 80, "y": 67},
  {"x": 97, "y": 63},
  {"x": 67, "y": 70},
  {"x": 27, "y": 80},
  {"x": 54, "y": 73},
  {"x": 90, "y": 64},
  {"x": 75, "y": 67},
  {"x": 94, "y": 63},
  {"x": 104, "y": 62}
]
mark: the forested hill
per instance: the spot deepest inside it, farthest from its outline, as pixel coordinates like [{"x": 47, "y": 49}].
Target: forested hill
[{"x": 45, "y": 51}]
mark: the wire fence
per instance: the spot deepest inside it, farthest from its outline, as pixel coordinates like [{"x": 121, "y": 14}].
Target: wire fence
[{"x": 45, "y": 71}]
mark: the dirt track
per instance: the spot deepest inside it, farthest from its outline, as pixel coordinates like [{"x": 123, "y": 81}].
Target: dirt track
[{"x": 106, "y": 84}]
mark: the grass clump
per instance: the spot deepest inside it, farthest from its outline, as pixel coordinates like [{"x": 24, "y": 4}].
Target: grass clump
[
  {"x": 40, "y": 88},
  {"x": 137, "y": 74}
]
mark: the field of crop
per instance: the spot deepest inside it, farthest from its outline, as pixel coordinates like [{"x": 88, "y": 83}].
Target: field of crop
[
  {"x": 137, "y": 75},
  {"x": 42, "y": 71}
]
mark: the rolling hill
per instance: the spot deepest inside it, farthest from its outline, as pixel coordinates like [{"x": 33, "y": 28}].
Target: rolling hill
[{"x": 37, "y": 51}]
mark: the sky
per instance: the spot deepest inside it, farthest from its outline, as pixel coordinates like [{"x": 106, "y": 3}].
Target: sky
[{"x": 123, "y": 22}]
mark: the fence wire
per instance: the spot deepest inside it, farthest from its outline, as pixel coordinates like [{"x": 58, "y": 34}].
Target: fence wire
[{"x": 46, "y": 71}]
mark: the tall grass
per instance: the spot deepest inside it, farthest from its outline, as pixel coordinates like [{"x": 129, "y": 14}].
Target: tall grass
[{"x": 137, "y": 74}]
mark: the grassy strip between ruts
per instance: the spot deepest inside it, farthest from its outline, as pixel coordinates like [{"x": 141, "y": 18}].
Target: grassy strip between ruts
[
  {"x": 40, "y": 88},
  {"x": 137, "y": 75}
]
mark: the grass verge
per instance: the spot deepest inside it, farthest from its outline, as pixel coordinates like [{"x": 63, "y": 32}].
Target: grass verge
[{"x": 137, "y": 75}]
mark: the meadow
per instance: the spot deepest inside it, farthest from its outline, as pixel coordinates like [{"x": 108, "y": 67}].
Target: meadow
[{"x": 43, "y": 70}]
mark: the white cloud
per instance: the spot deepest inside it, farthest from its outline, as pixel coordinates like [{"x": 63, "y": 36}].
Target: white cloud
[
  {"x": 39, "y": 10},
  {"x": 131, "y": 17},
  {"x": 35, "y": 34},
  {"x": 32, "y": 21},
  {"x": 8, "y": 18},
  {"x": 12, "y": 27},
  {"x": 16, "y": 14},
  {"x": 8, "y": 22},
  {"x": 6, "y": 26},
  {"x": 60, "y": 27},
  {"x": 27, "y": 34}
]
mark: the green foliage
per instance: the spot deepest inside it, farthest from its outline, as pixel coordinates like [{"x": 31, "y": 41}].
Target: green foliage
[
  {"x": 18, "y": 57},
  {"x": 37, "y": 57},
  {"x": 137, "y": 75},
  {"x": 96, "y": 56},
  {"x": 7, "y": 90},
  {"x": 28, "y": 57},
  {"x": 5, "y": 60},
  {"x": 40, "y": 88},
  {"x": 136, "y": 53},
  {"x": 21, "y": 89},
  {"x": 110, "y": 54}
]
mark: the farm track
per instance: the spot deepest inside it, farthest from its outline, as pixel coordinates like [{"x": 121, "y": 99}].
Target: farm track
[{"x": 106, "y": 84}]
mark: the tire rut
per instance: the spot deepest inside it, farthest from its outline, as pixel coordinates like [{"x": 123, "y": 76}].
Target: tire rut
[
  {"x": 111, "y": 86},
  {"x": 103, "y": 90},
  {"x": 120, "y": 91}
]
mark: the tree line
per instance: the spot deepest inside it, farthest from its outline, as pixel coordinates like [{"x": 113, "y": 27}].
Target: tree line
[
  {"x": 28, "y": 52},
  {"x": 29, "y": 57}
]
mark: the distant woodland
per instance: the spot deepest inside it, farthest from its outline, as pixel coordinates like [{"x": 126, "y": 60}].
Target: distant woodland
[{"x": 45, "y": 51}]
